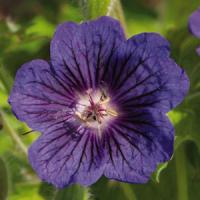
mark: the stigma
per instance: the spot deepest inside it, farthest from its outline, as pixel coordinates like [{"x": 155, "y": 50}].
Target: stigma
[{"x": 94, "y": 109}]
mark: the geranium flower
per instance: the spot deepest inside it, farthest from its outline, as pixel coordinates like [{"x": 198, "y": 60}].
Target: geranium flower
[
  {"x": 100, "y": 104},
  {"x": 194, "y": 25}
]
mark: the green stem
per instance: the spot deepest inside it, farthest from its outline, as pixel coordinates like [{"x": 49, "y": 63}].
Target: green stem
[
  {"x": 8, "y": 129},
  {"x": 5, "y": 79},
  {"x": 128, "y": 191},
  {"x": 115, "y": 10},
  {"x": 181, "y": 172},
  {"x": 86, "y": 194},
  {"x": 111, "y": 7}
]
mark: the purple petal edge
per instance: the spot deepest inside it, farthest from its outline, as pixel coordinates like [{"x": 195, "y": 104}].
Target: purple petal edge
[
  {"x": 198, "y": 50},
  {"x": 194, "y": 23}
]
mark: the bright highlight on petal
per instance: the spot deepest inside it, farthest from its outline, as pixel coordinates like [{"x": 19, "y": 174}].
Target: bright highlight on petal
[
  {"x": 100, "y": 104},
  {"x": 95, "y": 111}
]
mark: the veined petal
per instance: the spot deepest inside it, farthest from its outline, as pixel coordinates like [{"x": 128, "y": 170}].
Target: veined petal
[
  {"x": 66, "y": 156},
  {"x": 100, "y": 104},
  {"x": 81, "y": 53},
  {"x": 146, "y": 76},
  {"x": 39, "y": 97},
  {"x": 136, "y": 144}
]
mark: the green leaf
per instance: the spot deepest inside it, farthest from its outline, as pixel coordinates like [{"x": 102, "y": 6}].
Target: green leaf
[
  {"x": 41, "y": 27},
  {"x": 75, "y": 192},
  {"x": 25, "y": 191},
  {"x": 186, "y": 116},
  {"x": 5, "y": 79},
  {"x": 188, "y": 113},
  {"x": 3, "y": 180},
  {"x": 173, "y": 8}
]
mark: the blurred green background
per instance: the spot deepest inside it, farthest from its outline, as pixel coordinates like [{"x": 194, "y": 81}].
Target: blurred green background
[{"x": 26, "y": 28}]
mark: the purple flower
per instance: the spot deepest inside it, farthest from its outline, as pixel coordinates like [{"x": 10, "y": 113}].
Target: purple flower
[
  {"x": 194, "y": 25},
  {"x": 100, "y": 104}
]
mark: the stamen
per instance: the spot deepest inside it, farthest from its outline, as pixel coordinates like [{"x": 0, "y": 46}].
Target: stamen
[
  {"x": 95, "y": 109},
  {"x": 112, "y": 113}
]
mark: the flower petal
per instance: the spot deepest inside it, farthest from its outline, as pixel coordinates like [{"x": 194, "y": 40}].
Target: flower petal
[
  {"x": 198, "y": 51},
  {"x": 194, "y": 23},
  {"x": 136, "y": 144},
  {"x": 39, "y": 97},
  {"x": 62, "y": 159},
  {"x": 81, "y": 53},
  {"x": 146, "y": 76}
]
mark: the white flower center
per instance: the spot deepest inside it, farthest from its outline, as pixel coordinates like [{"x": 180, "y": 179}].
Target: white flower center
[{"x": 94, "y": 109}]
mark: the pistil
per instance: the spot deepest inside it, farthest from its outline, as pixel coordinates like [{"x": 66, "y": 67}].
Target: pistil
[{"x": 96, "y": 109}]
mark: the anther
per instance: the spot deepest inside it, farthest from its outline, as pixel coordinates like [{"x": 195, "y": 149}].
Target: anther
[{"x": 96, "y": 109}]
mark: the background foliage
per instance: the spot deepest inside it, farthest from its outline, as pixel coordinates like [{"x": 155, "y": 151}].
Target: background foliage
[{"x": 26, "y": 27}]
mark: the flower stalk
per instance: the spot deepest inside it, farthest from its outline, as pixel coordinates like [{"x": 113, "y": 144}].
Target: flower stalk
[
  {"x": 182, "y": 187},
  {"x": 128, "y": 191},
  {"x": 115, "y": 10},
  {"x": 9, "y": 130}
]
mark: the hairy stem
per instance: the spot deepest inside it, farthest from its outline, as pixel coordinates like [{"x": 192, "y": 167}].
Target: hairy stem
[
  {"x": 115, "y": 10},
  {"x": 111, "y": 7}
]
